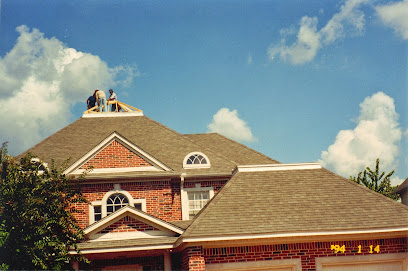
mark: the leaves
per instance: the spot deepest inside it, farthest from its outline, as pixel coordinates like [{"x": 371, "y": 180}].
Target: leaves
[
  {"x": 37, "y": 227},
  {"x": 376, "y": 181}
]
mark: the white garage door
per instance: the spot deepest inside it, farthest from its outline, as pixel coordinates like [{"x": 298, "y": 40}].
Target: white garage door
[
  {"x": 380, "y": 262},
  {"x": 392, "y": 266},
  {"x": 272, "y": 265}
]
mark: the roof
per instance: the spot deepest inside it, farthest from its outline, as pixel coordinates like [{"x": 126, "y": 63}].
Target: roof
[
  {"x": 295, "y": 201},
  {"x": 87, "y": 247},
  {"x": 230, "y": 149},
  {"x": 169, "y": 147},
  {"x": 402, "y": 186}
]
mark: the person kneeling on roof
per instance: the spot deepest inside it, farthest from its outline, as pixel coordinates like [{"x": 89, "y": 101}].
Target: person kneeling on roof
[{"x": 101, "y": 98}]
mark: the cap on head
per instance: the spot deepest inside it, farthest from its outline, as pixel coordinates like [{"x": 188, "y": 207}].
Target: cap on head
[{"x": 110, "y": 90}]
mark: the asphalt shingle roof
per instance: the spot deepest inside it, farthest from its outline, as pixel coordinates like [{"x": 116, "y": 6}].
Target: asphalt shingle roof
[
  {"x": 308, "y": 200},
  {"x": 77, "y": 139}
]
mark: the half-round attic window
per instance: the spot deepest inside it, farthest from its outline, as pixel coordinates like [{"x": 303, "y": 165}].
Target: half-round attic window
[{"x": 196, "y": 160}]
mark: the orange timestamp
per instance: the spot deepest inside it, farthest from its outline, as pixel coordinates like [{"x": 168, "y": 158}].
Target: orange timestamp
[{"x": 342, "y": 249}]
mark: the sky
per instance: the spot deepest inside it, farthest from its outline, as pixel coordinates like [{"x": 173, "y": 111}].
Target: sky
[{"x": 300, "y": 81}]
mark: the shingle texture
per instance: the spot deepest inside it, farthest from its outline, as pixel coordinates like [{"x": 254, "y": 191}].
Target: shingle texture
[
  {"x": 169, "y": 147},
  {"x": 293, "y": 201},
  {"x": 232, "y": 150}
]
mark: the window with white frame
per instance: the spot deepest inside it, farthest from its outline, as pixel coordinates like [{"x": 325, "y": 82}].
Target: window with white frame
[
  {"x": 113, "y": 201},
  {"x": 196, "y": 160},
  {"x": 194, "y": 199}
]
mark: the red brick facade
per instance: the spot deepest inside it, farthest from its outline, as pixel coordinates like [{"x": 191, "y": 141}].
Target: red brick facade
[
  {"x": 163, "y": 199},
  {"x": 115, "y": 155}
]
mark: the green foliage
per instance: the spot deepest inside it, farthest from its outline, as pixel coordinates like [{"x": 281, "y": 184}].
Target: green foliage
[
  {"x": 376, "y": 181},
  {"x": 37, "y": 226}
]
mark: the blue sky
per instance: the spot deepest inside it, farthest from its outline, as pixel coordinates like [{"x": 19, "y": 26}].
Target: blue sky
[{"x": 300, "y": 81}]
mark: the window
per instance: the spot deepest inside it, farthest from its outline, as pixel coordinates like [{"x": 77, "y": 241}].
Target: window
[
  {"x": 98, "y": 212},
  {"x": 115, "y": 202},
  {"x": 196, "y": 160},
  {"x": 196, "y": 201}
]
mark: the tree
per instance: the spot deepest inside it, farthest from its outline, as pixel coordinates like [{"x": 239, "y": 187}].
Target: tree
[
  {"x": 37, "y": 226},
  {"x": 374, "y": 180}
]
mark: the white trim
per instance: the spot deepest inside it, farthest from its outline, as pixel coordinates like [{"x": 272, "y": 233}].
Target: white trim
[
  {"x": 114, "y": 136},
  {"x": 112, "y": 114},
  {"x": 184, "y": 197},
  {"x": 294, "y": 264},
  {"x": 401, "y": 258},
  {"x": 128, "y": 235},
  {"x": 116, "y": 170},
  {"x": 280, "y": 235},
  {"x": 194, "y": 166},
  {"x": 275, "y": 167},
  {"x": 123, "y": 249},
  {"x": 96, "y": 227}
]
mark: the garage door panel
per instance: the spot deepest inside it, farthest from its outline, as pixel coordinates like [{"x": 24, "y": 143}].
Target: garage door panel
[
  {"x": 272, "y": 265},
  {"x": 392, "y": 266},
  {"x": 376, "y": 262}
]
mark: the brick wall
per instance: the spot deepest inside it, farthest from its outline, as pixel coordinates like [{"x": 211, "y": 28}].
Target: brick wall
[
  {"x": 162, "y": 197},
  {"x": 192, "y": 259},
  {"x": 307, "y": 252},
  {"x": 127, "y": 224},
  {"x": 115, "y": 155}
]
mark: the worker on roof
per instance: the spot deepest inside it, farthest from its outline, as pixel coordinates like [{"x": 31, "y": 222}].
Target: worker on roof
[
  {"x": 113, "y": 97},
  {"x": 91, "y": 101},
  {"x": 101, "y": 99}
]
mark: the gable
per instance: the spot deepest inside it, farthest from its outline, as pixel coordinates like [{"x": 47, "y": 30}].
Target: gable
[
  {"x": 129, "y": 222},
  {"x": 116, "y": 154}
]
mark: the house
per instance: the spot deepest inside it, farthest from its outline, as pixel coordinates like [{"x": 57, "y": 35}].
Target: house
[{"x": 161, "y": 200}]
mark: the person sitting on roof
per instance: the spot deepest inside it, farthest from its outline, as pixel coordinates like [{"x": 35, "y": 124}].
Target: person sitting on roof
[
  {"x": 91, "y": 101},
  {"x": 101, "y": 99},
  {"x": 113, "y": 97}
]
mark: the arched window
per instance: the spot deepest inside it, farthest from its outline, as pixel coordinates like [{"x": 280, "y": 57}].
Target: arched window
[
  {"x": 196, "y": 160},
  {"x": 115, "y": 202}
]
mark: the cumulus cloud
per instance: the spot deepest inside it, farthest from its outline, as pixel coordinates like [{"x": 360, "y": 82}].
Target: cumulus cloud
[
  {"x": 349, "y": 20},
  {"x": 395, "y": 15},
  {"x": 40, "y": 80},
  {"x": 227, "y": 123},
  {"x": 376, "y": 135}
]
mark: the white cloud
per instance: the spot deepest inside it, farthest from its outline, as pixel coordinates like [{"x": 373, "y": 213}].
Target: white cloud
[
  {"x": 395, "y": 15},
  {"x": 348, "y": 20},
  {"x": 227, "y": 123},
  {"x": 376, "y": 135},
  {"x": 40, "y": 80}
]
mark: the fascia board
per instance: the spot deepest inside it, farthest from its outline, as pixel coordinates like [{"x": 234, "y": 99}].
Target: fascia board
[
  {"x": 123, "y": 249},
  {"x": 276, "y": 167},
  {"x": 184, "y": 240}
]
